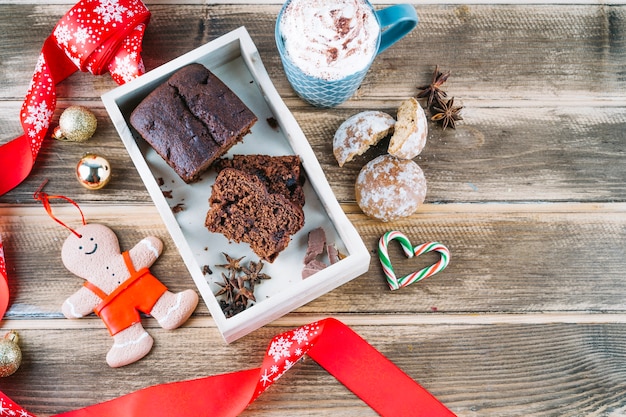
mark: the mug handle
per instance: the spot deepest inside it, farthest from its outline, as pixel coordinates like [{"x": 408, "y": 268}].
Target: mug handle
[{"x": 396, "y": 22}]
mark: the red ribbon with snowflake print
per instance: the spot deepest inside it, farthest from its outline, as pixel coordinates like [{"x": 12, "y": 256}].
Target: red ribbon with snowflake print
[
  {"x": 94, "y": 36},
  {"x": 332, "y": 344}
]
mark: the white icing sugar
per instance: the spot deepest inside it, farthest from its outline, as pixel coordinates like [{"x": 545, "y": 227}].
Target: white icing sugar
[
  {"x": 390, "y": 188},
  {"x": 357, "y": 133},
  {"x": 73, "y": 311},
  {"x": 150, "y": 247},
  {"x": 330, "y": 39}
]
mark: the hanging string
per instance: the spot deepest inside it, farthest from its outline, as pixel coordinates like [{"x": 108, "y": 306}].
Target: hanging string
[{"x": 45, "y": 200}]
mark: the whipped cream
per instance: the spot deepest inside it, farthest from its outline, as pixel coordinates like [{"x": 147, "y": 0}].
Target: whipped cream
[{"x": 329, "y": 39}]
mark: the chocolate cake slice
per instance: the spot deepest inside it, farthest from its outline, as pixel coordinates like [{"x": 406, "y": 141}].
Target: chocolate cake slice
[
  {"x": 280, "y": 174},
  {"x": 191, "y": 120},
  {"x": 243, "y": 210}
]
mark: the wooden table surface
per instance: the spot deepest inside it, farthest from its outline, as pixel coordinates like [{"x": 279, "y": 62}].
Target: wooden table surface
[{"x": 529, "y": 194}]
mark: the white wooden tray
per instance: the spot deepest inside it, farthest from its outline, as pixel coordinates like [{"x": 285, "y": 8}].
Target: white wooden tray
[{"x": 236, "y": 61}]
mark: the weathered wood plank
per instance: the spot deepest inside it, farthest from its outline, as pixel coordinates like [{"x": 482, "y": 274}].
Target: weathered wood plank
[
  {"x": 528, "y": 51},
  {"x": 529, "y": 260},
  {"x": 546, "y": 155},
  {"x": 532, "y": 370}
]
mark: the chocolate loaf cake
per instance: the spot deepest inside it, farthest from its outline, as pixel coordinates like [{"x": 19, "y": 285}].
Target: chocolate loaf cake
[
  {"x": 243, "y": 210},
  {"x": 280, "y": 174},
  {"x": 191, "y": 120}
]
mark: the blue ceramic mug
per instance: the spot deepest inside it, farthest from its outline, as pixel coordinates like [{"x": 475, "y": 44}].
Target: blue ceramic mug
[{"x": 394, "y": 22}]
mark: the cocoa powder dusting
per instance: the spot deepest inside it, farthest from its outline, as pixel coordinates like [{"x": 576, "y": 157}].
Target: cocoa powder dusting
[
  {"x": 342, "y": 25},
  {"x": 333, "y": 53}
]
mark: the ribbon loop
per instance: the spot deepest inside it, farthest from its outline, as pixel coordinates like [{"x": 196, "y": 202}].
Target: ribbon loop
[
  {"x": 93, "y": 31},
  {"x": 329, "y": 342},
  {"x": 94, "y": 36},
  {"x": 45, "y": 200}
]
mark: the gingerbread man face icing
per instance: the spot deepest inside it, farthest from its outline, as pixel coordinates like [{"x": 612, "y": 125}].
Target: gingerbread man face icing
[{"x": 90, "y": 252}]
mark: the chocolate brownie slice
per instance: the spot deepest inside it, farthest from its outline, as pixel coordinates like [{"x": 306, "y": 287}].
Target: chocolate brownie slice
[
  {"x": 280, "y": 174},
  {"x": 191, "y": 120},
  {"x": 243, "y": 210}
]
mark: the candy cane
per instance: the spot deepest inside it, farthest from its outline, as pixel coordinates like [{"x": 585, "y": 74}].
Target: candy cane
[{"x": 410, "y": 251}]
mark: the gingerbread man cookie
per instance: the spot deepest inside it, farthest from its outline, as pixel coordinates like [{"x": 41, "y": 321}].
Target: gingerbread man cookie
[{"x": 118, "y": 287}]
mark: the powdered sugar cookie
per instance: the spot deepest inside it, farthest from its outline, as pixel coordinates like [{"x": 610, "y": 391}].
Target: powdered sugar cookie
[
  {"x": 357, "y": 133},
  {"x": 390, "y": 188},
  {"x": 411, "y": 130}
]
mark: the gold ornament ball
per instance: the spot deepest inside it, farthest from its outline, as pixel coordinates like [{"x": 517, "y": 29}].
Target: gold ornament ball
[
  {"x": 10, "y": 354},
  {"x": 76, "y": 124},
  {"x": 93, "y": 171}
]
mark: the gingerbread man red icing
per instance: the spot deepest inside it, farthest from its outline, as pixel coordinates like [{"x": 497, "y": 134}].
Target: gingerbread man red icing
[{"x": 118, "y": 287}]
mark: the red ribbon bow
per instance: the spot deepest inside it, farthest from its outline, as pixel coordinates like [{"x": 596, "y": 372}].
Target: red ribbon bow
[
  {"x": 332, "y": 344},
  {"x": 94, "y": 36}
]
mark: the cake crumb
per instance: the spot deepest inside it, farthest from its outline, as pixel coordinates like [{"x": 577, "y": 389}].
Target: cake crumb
[
  {"x": 178, "y": 208},
  {"x": 272, "y": 122}
]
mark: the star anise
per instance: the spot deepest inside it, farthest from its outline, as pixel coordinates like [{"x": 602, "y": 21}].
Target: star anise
[
  {"x": 238, "y": 287},
  {"x": 228, "y": 287},
  {"x": 253, "y": 274},
  {"x": 233, "y": 264},
  {"x": 244, "y": 294},
  {"x": 446, "y": 113},
  {"x": 433, "y": 91}
]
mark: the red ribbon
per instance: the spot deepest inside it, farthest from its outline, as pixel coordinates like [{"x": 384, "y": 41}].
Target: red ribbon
[
  {"x": 94, "y": 36},
  {"x": 342, "y": 352},
  {"x": 4, "y": 283}
]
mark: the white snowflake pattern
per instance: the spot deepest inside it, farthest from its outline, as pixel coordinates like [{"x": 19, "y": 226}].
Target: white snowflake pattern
[
  {"x": 279, "y": 347},
  {"x": 265, "y": 378},
  {"x": 285, "y": 354},
  {"x": 7, "y": 410},
  {"x": 63, "y": 34},
  {"x": 31, "y": 85},
  {"x": 39, "y": 116},
  {"x": 300, "y": 335},
  {"x": 41, "y": 63},
  {"x": 125, "y": 68},
  {"x": 110, "y": 10},
  {"x": 75, "y": 60},
  {"x": 81, "y": 35}
]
